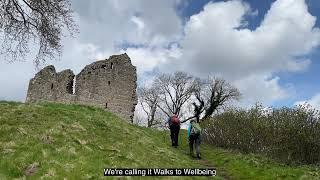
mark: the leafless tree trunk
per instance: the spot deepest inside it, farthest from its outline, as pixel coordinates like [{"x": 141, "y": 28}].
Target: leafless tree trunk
[
  {"x": 25, "y": 23},
  {"x": 220, "y": 92},
  {"x": 176, "y": 89},
  {"x": 211, "y": 94},
  {"x": 149, "y": 99},
  {"x": 198, "y": 93}
]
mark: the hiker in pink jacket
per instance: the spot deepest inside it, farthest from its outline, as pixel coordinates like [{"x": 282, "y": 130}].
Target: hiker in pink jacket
[{"x": 174, "y": 125}]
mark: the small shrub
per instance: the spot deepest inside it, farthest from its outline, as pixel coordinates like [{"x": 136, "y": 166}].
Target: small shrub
[{"x": 288, "y": 134}]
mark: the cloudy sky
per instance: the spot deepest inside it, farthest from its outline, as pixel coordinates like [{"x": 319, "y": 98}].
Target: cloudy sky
[{"x": 269, "y": 49}]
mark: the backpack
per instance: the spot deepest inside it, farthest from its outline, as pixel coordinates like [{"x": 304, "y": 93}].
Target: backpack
[
  {"x": 175, "y": 120},
  {"x": 195, "y": 129}
]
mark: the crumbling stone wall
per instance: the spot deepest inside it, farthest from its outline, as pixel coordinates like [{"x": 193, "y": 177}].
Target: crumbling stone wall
[{"x": 109, "y": 84}]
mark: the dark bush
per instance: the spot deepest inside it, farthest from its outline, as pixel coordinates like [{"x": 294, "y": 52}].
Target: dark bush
[{"x": 291, "y": 135}]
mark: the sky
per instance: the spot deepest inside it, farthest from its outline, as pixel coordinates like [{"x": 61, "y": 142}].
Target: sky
[{"x": 270, "y": 50}]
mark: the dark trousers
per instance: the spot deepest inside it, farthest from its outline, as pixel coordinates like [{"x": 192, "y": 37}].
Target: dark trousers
[
  {"x": 195, "y": 140},
  {"x": 174, "y": 134}
]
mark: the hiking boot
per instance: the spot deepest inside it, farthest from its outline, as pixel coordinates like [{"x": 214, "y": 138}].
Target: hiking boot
[{"x": 198, "y": 156}]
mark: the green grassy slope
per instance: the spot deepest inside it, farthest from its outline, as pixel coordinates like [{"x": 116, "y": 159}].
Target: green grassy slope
[{"x": 74, "y": 142}]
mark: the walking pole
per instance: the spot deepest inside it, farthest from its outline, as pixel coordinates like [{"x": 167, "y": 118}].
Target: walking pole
[
  {"x": 164, "y": 134},
  {"x": 180, "y": 138}
]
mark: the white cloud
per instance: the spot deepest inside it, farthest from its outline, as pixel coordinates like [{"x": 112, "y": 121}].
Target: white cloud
[
  {"x": 14, "y": 80},
  {"x": 216, "y": 42},
  {"x": 261, "y": 88},
  {"x": 112, "y": 22},
  {"x": 213, "y": 42},
  {"x": 314, "y": 102},
  {"x": 146, "y": 59}
]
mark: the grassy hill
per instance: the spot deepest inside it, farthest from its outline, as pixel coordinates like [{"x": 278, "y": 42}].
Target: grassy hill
[{"x": 57, "y": 141}]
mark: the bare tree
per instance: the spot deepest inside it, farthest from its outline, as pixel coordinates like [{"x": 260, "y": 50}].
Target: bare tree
[
  {"x": 149, "y": 99},
  {"x": 173, "y": 93},
  {"x": 211, "y": 94},
  {"x": 34, "y": 22},
  {"x": 176, "y": 89},
  {"x": 199, "y": 104}
]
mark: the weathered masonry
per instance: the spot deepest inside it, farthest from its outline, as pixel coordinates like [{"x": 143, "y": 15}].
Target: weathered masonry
[{"x": 109, "y": 84}]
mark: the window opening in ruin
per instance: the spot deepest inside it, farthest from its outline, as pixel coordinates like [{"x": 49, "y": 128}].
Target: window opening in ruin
[
  {"x": 109, "y": 82},
  {"x": 106, "y": 105},
  {"x": 51, "y": 85},
  {"x": 104, "y": 66},
  {"x": 111, "y": 66},
  {"x": 71, "y": 86},
  {"x": 74, "y": 85}
]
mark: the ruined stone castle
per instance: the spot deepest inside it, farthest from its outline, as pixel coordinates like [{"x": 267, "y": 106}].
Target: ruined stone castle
[{"x": 109, "y": 84}]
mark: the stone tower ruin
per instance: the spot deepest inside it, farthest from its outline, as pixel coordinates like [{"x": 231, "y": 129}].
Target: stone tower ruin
[{"x": 109, "y": 84}]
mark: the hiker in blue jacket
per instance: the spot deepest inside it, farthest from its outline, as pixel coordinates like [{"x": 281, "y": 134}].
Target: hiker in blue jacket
[
  {"x": 194, "y": 136},
  {"x": 174, "y": 125}
]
